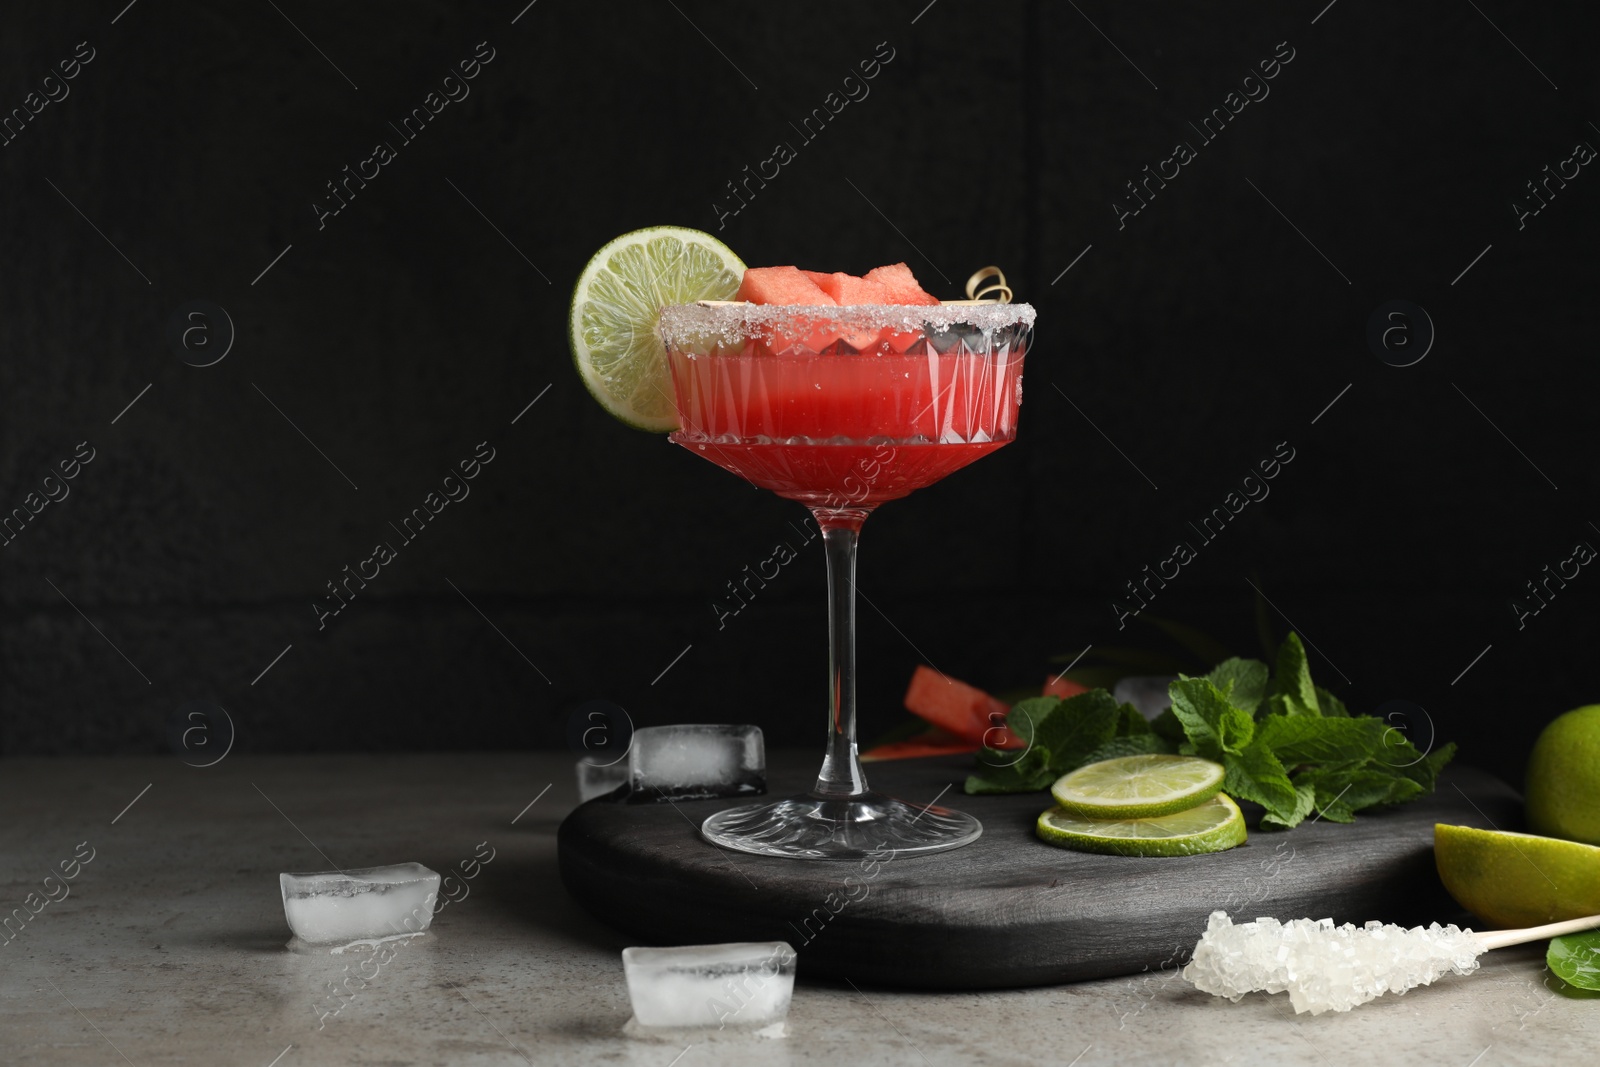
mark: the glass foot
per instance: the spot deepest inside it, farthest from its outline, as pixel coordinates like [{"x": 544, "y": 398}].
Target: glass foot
[{"x": 808, "y": 827}]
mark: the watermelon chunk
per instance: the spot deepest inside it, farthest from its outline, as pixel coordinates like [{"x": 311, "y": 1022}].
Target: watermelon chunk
[
  {"x": 891, "y": 285},
  {"x": 902, "y": 288},
  {"x": 780, "y": 285},
  {"x": 934, "y": 742},
  {"x": 1063, "y": 687},
  {"x": 961, "y": 709},
  {"x": 847, "y": 290},
  {"x": 901, "y": 285}
]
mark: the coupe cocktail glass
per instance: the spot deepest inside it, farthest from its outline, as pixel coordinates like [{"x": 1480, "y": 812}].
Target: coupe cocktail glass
[{"x": 841, "y": 409}]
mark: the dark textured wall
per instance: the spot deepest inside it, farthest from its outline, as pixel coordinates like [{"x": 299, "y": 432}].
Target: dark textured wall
[{"x": 1184, "y": 343}]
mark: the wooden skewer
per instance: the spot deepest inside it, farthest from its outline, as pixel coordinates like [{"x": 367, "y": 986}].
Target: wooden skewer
[
  {"x": 1490, "y": 939},
  {"x": 997, "y": 292}
]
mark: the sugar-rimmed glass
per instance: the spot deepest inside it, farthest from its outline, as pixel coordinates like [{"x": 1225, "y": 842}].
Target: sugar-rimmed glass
[{"x": 842, "y": 409}]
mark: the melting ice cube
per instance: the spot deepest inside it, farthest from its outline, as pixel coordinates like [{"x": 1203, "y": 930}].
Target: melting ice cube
[
  {"x": 691, "y": 762},
  {"x": 333, "y": 907},
  {"x": 597, "y": 781},
  {"x": 1148, "y": 693},
  {"x": 744, "y": 984}
]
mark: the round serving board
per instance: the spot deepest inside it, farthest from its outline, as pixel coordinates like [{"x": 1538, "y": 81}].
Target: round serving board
[{"x": 1007, "y": 910}]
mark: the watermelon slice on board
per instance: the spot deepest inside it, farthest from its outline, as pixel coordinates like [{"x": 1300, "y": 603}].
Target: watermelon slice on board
[
  {"x": 931, "y": 742},
  {"x": 962, "y": 717}
]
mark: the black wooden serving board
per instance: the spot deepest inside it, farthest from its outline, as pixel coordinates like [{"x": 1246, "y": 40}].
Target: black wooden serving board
[{"x": 1006, "y": 910}]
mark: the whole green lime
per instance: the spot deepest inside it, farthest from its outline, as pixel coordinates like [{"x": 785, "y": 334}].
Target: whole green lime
[{"x": 1563, "y": 795}]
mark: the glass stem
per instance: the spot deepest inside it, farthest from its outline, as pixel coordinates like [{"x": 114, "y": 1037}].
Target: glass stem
[{"x": 841, "y": 776}]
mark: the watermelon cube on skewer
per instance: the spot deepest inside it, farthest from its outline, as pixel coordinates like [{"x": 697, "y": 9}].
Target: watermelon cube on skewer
[
  {"x": 900, "y": 284},
  {"x": 781, "y": 285}
]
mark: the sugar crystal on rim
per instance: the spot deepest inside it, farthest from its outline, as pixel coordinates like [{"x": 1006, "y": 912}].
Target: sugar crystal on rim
[{"x": 728, "y": 323}]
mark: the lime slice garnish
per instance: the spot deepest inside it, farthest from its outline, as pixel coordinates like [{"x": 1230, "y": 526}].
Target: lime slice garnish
[
  {"x": 616, "y": 305},
  {"x": 1138, "y": 787},
  {"x": 1512, "y": 879},
  {"x": 1211, "y": 827}
]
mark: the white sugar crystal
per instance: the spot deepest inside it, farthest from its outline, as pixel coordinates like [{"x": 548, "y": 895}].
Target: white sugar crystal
[
  {"x": 597, "y": 780},
  {"x": 689, "y": 761},
  {"x": 334, "y": 907},
  {"x": 746, "y": 985},
  {"x": 1324, "y": 967}
]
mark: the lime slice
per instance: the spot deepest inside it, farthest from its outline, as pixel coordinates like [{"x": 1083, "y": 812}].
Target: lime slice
[
  {"x": 1512, "y": 879},
  {"x": 1137, "y": 787},
  {"x": 616, "y": 306},
  {"x": 1213, "y": 826}
]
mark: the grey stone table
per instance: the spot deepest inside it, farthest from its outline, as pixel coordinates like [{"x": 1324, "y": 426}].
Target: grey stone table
[{"x": 169, "y": 947}]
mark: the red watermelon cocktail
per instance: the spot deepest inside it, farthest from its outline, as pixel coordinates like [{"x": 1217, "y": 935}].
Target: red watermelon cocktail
[{"x": 842, "y": 393}]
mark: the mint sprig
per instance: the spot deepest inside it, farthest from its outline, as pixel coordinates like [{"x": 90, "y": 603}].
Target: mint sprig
[
  {"x": 1284, "y": 742},
  {"x": 1058, "y": 733}
]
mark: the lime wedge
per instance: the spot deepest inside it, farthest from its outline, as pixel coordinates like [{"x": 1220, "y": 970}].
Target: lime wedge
[
  {"x": 1137, "y": 787},
  {"x": 1213, "y": 826},
  {"x": 1512, "y": 879},
  {"x": 616, "y": 306}
]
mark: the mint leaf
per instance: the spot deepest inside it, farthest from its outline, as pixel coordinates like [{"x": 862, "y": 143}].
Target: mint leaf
[
  {"x": 1297, "y": 739},
  {"x": 1398, "y": 753},
  {"x": 1025, "y": 715},
  {"x": 1572, "y": 992},
  {"x": 1425, "y": 772},
  {"x": 1293, "y": 692},
  {"x": 1131, "y": 722},
  {"x": 1028, "y": 774},
  {"x": 1167, "y": 727},
  {"x": 1078, "y": 725},
  {"x": 1328, "y": 803},
  {"x": 1345, "y": 788},
  {"x": 1242, "y": 681},
  {"x": 1135, "y": 745},
  {"x": 1306, "y": 798},
  {"x": 1373, "y": 785},
  {"x": 1284, "y": 742},
  {"x": 1255, "y": 774},
  {"x": 1060, "y": 734},
  {"x": 1213, "y": 726},
  {"x": 1575, "y": 959},
  {"x": 1330, "y": 705}
]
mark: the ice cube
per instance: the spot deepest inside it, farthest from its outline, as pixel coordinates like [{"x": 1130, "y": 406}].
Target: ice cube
[
  {"x": 691, "y": 762},
  {"x": 746, "y": 984},
  {"x": 334, "y": 907},
  {"x": 597, "y": 781},
  {"x": 1148, "y": 693}
]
